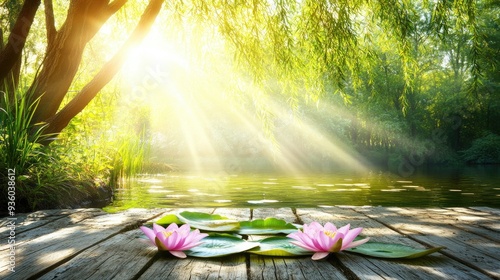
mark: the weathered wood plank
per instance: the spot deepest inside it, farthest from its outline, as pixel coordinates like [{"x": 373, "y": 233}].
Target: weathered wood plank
[
  {"x": 120, "y": 257},
  {"x": 373, "y": 268},
  {"x": 40, "y": 254},
  {"x": 280, "y": 213},
  {"x": 169, "y": 267},
  {"x": 240, "y": 214},
  {"x": 25, "y": 222},
  {"x": 472, "y": 250},
  {"x": 479, "y": 223},
  {"x": 32, "y": 228},
  {"x": 292, "y": 268},
  {"x": 494, "y": 211},
  {"x": 480, "y": 219}
]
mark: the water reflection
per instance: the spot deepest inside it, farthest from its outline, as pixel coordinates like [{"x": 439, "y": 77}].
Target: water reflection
[{"x": 431, "y": 189}]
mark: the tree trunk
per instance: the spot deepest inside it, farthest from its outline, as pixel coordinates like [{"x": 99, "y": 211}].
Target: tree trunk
[
  {"x": 64, "y": 54},
  {"x": 10, "y": 54},
  {"x": 60, "y": 120}
]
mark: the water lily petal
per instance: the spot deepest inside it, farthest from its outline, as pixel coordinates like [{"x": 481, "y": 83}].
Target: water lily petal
[
  {"x": 330, "y": 227},
  {"x": 338, "y": 236},
  {"x": 325, "y": 242},
  {"x": 149, "y": 233},
  {"x": 317, "y": 238},
  {"x": 320, "y": 240},
  {"x": 184, "y": 230},
  {"x": 337, "y": 247},
  {"x": 173, "y": 241},
  {"x": 161, "y": 246},
  {"x": 178, "y": 254},
  {"x": 295, "y": 235},
  {"x": 349, "y": 237},
  {"x": 190, "y": 246},
  {"x": 305, "y": 246},
  {"x": 162, "y": 239},
  {"x": 172, "y": 227},
  {"x": 199, "y": 236},
  {"x": 157, "y": 228},
  {"x": 312, "y": 229},
  {"x": 319, "y": 255},
  {"x": 305, "y": 239},
  {"x": 194, "y": 237},
  {"x": 344, "y": 230},
  {"x": 356, "y": 243}
]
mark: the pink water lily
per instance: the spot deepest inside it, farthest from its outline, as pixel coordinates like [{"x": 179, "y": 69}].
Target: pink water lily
[
  {"x": 325, "y": 240},
  {"x": 174, "y": 239}
]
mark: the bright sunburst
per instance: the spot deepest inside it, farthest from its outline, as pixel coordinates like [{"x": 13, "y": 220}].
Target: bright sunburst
[{"x": 203, "y": 113}]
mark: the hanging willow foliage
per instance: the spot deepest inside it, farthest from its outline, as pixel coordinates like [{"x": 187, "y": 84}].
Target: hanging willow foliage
[{"x": 318, "y": 46}]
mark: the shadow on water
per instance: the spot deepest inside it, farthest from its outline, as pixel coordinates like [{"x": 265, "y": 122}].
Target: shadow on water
[{"x": 436, "y": 187}]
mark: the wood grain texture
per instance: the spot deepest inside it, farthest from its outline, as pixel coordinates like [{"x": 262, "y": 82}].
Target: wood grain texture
[{"x": 91, "y": 244}]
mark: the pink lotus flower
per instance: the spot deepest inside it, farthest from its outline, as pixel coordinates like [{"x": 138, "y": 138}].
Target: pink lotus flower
[
  {"x": 174, "y": 239},
  {"x": 326, "y": 240}
]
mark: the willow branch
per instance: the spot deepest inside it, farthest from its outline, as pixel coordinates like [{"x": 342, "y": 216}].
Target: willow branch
[{"x": 60, "y": 120}]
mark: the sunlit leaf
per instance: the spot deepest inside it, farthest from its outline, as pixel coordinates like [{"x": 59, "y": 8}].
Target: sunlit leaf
[
  {"x": 218, "y": 245},
  {"x": 389, "y": 250},
  {"x": 266, "y": 226},
  {"x": 169, "y": 219},
  {"x": 208, "y": 222},
  {"x": 279, "y": 247}
]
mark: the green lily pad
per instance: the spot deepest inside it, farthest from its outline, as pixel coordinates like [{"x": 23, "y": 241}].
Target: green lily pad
[
  {"x": 208, "y": 222},
  {"x": 169, "y": 219},
  {"x": 393, "y": 251},
  {"x": 219, "y": 245},
  {"x": 279, "y": 246},
  {"x": 266, "y": 226}
]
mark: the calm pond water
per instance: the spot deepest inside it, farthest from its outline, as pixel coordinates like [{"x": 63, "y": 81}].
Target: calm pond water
[{"x": 468, "y": 186}]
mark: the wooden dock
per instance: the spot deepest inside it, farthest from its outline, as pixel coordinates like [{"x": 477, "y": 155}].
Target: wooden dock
[{"x": 91, "y": 244}]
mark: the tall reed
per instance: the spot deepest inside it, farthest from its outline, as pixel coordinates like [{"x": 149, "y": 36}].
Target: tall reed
[
  {"x": 19, "y": 139},
  {"x": 130, "y": 157}
]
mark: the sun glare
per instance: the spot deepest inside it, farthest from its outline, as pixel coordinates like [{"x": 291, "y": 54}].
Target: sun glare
[
  {"x": 154, "y": 52},
  {"x": 202, "y": 129}
]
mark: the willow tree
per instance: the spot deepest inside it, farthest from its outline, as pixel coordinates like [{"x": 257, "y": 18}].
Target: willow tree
[
  {"x": 63, "y": 55},
  {"x": 318, "y": 45}
]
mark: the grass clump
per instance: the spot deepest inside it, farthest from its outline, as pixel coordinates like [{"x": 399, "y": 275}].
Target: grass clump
[{"x": 61, "y": 175}]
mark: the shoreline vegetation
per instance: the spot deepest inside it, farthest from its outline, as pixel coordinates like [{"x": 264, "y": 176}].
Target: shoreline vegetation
[{"x": 70, "y": 193}]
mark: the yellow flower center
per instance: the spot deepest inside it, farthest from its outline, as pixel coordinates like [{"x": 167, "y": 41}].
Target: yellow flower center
[
  {"x": 330, "y": 233},
  {"x": 160, "y": 245},
  {"x": 338, "y": 244}
]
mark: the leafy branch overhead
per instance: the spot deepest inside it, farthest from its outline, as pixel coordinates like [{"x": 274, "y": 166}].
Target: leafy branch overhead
[{"x": 317, "y": 46}]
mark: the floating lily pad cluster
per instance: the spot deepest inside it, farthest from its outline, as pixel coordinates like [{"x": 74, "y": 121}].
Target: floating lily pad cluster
[{"x": 225, "y": 237}]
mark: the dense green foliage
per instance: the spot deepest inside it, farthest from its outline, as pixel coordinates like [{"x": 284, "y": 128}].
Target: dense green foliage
[
  {"x": 484, "y": 150},
  {"x": 414, "y": 82},
  {"x": 78, "y": 169}
]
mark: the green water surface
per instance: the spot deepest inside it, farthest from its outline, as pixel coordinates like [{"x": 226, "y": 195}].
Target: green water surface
[{"x": 464, "y": 187}]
